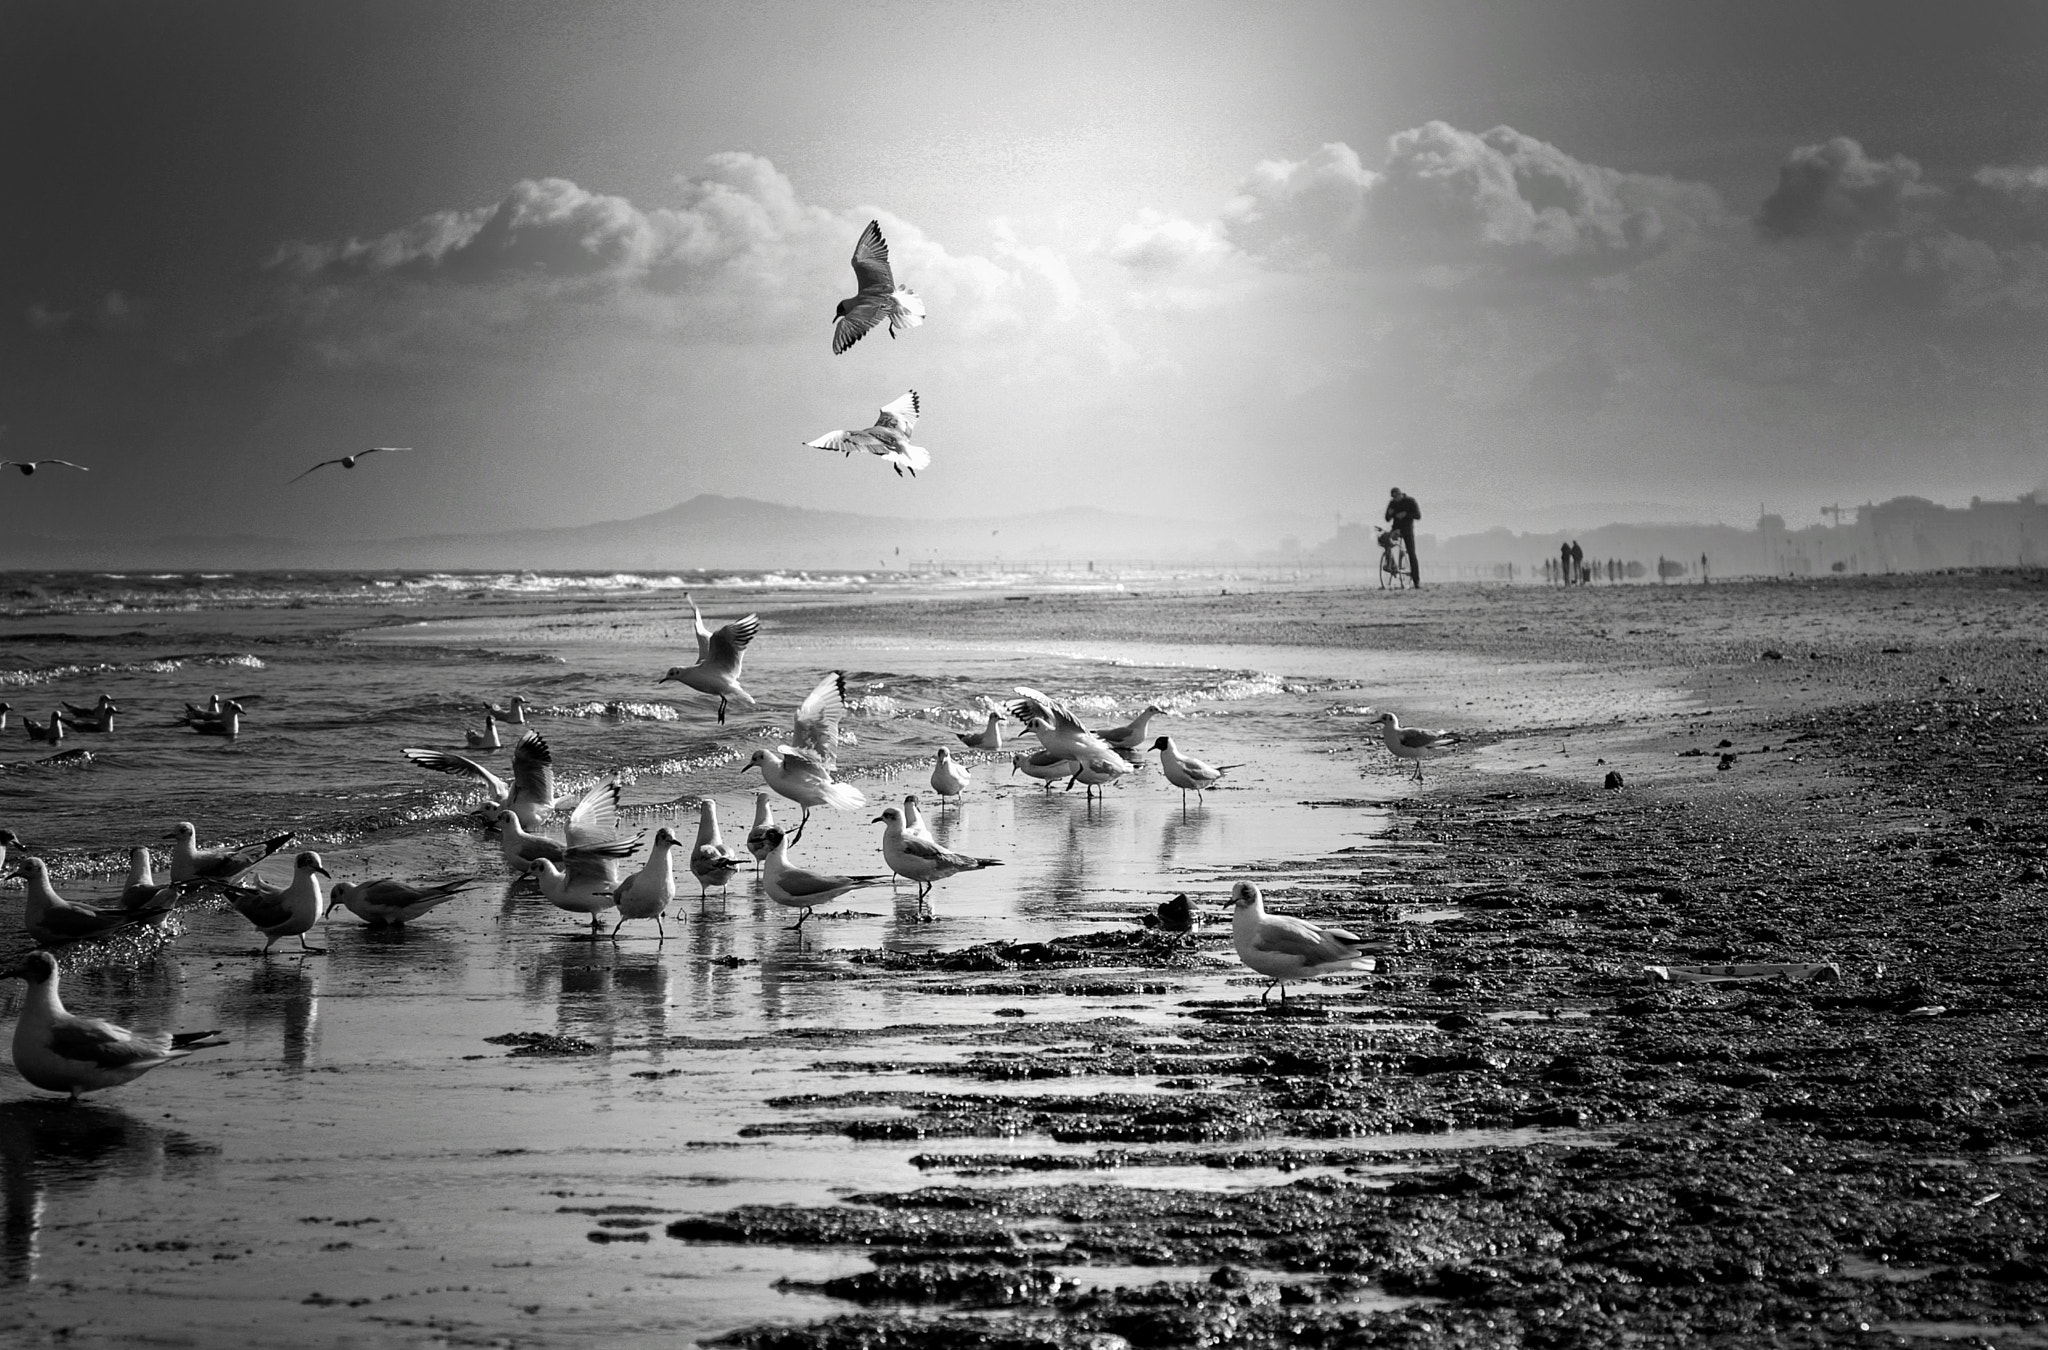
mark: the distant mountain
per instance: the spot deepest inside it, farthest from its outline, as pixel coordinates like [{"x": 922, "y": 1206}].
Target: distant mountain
[{"x": 704, "y": 532}]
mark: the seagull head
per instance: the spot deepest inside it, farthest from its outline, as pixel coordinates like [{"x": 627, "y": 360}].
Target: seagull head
[
  {"x": 1244, "y": 895},
  {"x": 1163, "y": 743},
  {"x": 34, "y": 869},
  {"x": 36, "y": 968},
  {"x": 9, "y": 839},
  {"x": 183, "y": 832},
  {"x": 890, "y": 816},
  {"x": 674, "y": 673},
  {"x": 944, "y": 753},
  {"x": 310, "y": 862},
  {"x": 771, "y": 838},
  {"x": 755, "y": 760},
  {"x": 663, "y": 837},
  {"x": 1035, "y": 726},
  {"x": 1387, "y": 719}
]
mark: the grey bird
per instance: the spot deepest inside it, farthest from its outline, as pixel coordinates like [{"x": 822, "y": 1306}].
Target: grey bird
[
  {"x": 877, "y": 296},
  {"x": 349, "y": 461},
  {"x": 889, "y": 437},
  {"x": 389, "y": 903},
  {"x": 29, "y": 466},
  {"x": 59, "y": 1051}
]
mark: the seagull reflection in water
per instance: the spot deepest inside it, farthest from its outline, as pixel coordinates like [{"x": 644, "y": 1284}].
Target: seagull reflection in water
[
  {"x": 286, "y": 997},
  {"x": 52, "y": 1148}
]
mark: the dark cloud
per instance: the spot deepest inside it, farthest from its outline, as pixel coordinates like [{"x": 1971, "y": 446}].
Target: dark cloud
[{"x": 1837, "y": 190}]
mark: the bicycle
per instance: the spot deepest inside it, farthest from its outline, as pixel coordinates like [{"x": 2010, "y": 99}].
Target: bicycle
[{"x": 1393, "y": 561}]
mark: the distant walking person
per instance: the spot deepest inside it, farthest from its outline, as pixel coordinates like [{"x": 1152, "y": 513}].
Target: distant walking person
[
  {"x": 1402, "y": 513},
  {"x": 1564, "y": 564},
  {"x": 1578, "y": 563}
]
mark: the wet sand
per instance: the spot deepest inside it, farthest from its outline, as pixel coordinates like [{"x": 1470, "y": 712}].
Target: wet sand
[{"x": 1038, "y": 1123}]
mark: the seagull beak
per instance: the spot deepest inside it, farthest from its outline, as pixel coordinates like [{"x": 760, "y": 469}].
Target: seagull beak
[
  {"x": 745, "y": 767},
  {"x": 322, "y": 872}
]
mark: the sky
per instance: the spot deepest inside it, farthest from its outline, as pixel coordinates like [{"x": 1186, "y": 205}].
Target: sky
[{"x": 1535, "y": 263}]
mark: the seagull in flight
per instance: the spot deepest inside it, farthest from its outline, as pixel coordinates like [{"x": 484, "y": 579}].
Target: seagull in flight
[
  {"x": 718, "y": 661},
  {"x": 878, "y": 298},
  {"x": 531, "y": 793},
  {"x": 349, "y": 461},
  {"x": 29, "y": 466},
  {"x": 889, "y": 437}
]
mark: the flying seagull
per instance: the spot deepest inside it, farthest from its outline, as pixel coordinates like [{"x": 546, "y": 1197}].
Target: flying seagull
[
  {"x": 349, "y": 461},
  {"x": 889, "y": 437},
  {"x": 29, "y": 466},
  {"x": 879, "y": 296}
]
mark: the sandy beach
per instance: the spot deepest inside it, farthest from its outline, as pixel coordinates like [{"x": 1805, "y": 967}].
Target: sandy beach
[{"x": 1744, "y": 1051}]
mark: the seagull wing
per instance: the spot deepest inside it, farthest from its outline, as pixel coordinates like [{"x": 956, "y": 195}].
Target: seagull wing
[
  {"x": 533, "y": 770},
  {"x": 389, "y": 449},
  {"x": 728, "y": 642},
  {"x": 803, "y": 885},
  {"x": 818, "y": 717},
  {"x": 1051, "y": 709},
  {"x": 1417, "y": 739},
  {"x": 834, "y": 440},
  {"x": 854, "y": 323},
  {"x": 902, "y": 414},
  {"x": 71, "y": 921},
  {"x": 64, "y": 463},
  {"x": 85, "y": 1040},
  {"x": 442, "y": 762},
  {"x": 871, "y": 262},
  {"x": 800, "y": 765},
  {"x": 595, "y": 818},
  {"x": 1297, "y": 937},
  {"x": 315, "y": 469}
]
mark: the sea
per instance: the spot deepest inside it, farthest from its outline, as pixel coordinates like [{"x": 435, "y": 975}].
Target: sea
[{"x": 371, "y": 1161}]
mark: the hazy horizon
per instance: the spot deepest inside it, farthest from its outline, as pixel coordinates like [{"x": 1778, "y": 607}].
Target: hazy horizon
[{"x": 1530, "y": 263}]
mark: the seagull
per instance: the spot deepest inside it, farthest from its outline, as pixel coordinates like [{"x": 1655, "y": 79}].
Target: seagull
[
  {"x": 5, "y": 708},
  {"x": 388, "y": 903},
  {"x": 59, "y": 1051},
  {"x": 349, "y": 461},
  {"x": 9, "y": 839},
  {"x": 1131, "y": 735},
  {"x": 948, "y": 778},
  {"x": 889, "y": 437},
  {"x": 284, "y": 911},
  {"x": 718, "y": 662},
  {"x": 921, "y": 860},
  {"x": 1282, "y": 948},
  {"x": 816, "y": 731},
  {"x": 797, "y": 888},
  {"x": 913, "y": 820},
  {"x": 97, "y": 718},
  {"x": 50, "y": 919},
  {"x": 804, "y": 781},
  {"x": 989, "y": 737},
  {"x": 52, "y": 734},
  {"x": 578, "y": 877},
  {"x": 142, "y": 890},
  {"x": 530, "y": 794},
  {"x": 1061, "y": 732},
  {"x": 189, "y": 862},
  {"x": 652, "y": 889},
  {"x": 513, "y": 715},
  {"x": 487, "y": 739},
  {"x": 29, "y": 466},
  {"x": 699, "y": 627},
  {"x": 1047, "y": 766},
  {"x": 1186, "y": 772},
  {"x": 764, "y": 821},
  {"x": 1413, "y": 743},
  {"x": 878, "y": 296},
  {"x": 228, "y": 723},
  {"x": 712, "y": 862}
]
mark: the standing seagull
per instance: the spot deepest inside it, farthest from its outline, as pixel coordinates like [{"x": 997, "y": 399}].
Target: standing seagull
[
  {"x": 1283, "y": 948},
  {"x": 949, "y": 780},
  {"x": 649, "y": 891},
  {"x": 712, "y": 861},
  {"x": 1186, "y": 772},
  {"x": 60, "y": 1051},
  {"x": 1413, "y": 743},
  {"x": 386, "y": 903},
  {"x": 804, "y": 781},
  {"x": 718, "y": 662},
  {"x": 796, "y": 888},
  {"x": 921, "y": 860},
  {"x": 287, "y": 911},
  {"x": 349, "y": 461},
  {"x": 29, "y": 466},
  {"x": 1131, "y": 734},
  {"x": 889, "y": 437},
  {"x": 989, "y": 737},
  {"x": 189, "y": 862},
  {"x": 878, "y": 297},
  {"x": 764, "y": 821},
  {"x": 51, "y": 919}
]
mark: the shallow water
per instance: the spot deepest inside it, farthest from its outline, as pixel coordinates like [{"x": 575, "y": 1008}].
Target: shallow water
[{"x": 360, "y": 1165}]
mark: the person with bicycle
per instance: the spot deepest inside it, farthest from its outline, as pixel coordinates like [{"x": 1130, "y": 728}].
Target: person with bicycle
[{"x": 1402, "y": 513}]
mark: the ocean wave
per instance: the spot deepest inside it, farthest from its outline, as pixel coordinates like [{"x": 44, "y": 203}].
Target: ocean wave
[
  {"x": 616, "y": 710},
  {"x": 165, "y": 665}
]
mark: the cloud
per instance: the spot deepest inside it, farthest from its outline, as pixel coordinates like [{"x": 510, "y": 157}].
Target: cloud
[
  {"x": 43, "y": 318},
  {"x": 1301, "y": 211},
  {"x": 1836, "y": 190},
  {"x": 739, "y": 258}
]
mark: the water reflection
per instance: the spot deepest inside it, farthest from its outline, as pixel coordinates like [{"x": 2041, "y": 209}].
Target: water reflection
[
  {"x": 283, "y": 997},
  {"x": 51, "y": 1147},
  {"x": 601, "y": 992},
  {"x": 1181, "y": 829}
]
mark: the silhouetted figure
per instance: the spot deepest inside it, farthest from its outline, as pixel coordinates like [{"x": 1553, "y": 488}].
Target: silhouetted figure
[
  {"x": 1703, "y": 569},
  {"x": 1578, "y": 563},
  {"x": 1402, "y": 513},
  {"x": 1564, "y": 564}
]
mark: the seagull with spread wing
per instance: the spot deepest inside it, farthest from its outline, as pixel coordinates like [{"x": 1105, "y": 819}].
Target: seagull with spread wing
[
  {"x": 29, "y": 466},
  {"x": 1059, "y": 731},
  {"x": 59, "y": 1051},
  {"x": 583, "y": 876},
  {"x": 802, "y": 779},
  {"x": 50, "y": 919},
  {"x": 889, "y": 437},
  {"x": 531, "y": 793},
  {"x": 349, "y": 461},
  {"x": 719, "y": 656},
  {"x": 878, "y": 296}
]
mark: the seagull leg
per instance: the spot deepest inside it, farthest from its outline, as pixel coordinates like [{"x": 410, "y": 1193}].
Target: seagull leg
[
  {"x": 1267, "y": 992},
  {"x": 798, "y": 836},
  {"x": 617, "y": 926},
  {"x": 659, "y": 929},
  {"x": 721, "y": 710},
  {"x": 304, "y": 950}
]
